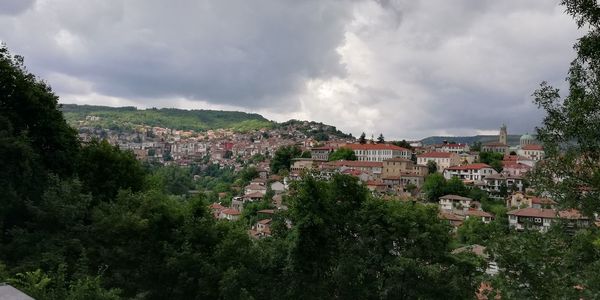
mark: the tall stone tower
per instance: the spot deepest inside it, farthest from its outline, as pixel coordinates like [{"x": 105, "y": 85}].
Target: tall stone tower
[{"x": 503, "y": 135}]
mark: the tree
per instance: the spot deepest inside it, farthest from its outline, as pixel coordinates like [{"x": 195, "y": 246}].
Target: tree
[
  {"x": 403, "y": 144},
  {"x": 172, "y": 180},
  {"x": 569, "y": 131},
  {"x": 282, "y": 159},
  {"x": 363, "y": 138},
  {"x": 30, "y": 109},
  {"x": 104, "y": 169},
  {"x": 306, "y": 154},
  {"x": 476, "y": 146},
  {"x": 431, "y": 167},
  {"x": 380, "y": 139},
  {"x": 342, "y": 153},
  {"x": 434, "y": 187}
]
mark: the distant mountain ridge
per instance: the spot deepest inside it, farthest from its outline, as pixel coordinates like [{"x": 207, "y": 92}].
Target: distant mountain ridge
[{"x": 512, "y": 139}]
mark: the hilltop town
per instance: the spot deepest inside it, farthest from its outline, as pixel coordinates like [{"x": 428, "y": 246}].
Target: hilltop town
[{"x": 496, "y": 169}]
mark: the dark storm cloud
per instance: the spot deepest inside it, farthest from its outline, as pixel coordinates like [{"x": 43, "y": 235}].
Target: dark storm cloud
[
  {"x": 401, "y": 67},
  {"x": 234, "y": 52},
  {"x": 14, "y": 7}
]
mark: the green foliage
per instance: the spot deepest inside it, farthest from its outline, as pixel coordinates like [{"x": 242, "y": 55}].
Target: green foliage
[
  {"x": 548, "y": 266},
  {"x": 342, "y": 154},
  {"x": 403, "y": 144},
  {"x": 173, "y": 180},
  {"x": 476, "y": 146},
  {"x": 431, "y": 167},
  {"x": 282, "y": 159},
  {"x": 104, "y": 169},
  {"x": 493, "y": 159},
  {"x": 198, "y": 120},
  {"x": 363, "y": 138},
  {"x": 436, "y": 186},
  {"x": 474, "y": 231},
  {"x": 380, "y": 139},
  {"x": 347, "y": 245},
  {"x": 569, "y": 131},
  {"x": 29, "y": 109},
  {"x": 306, "y": 154}
]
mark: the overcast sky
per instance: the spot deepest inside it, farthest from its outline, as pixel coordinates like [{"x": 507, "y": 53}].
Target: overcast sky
[{"x": 405, "y": 68}]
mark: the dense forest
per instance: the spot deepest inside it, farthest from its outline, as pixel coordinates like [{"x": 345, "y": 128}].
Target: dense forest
[
  {"x": 91, "y": 222},
  {"x": 198, "y": 120}
]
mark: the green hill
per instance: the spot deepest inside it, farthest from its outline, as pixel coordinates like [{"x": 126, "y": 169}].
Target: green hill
[{"x": 198, "y": 120}]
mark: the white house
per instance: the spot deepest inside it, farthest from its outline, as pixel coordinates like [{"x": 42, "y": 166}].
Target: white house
[
  {"x": 378, "y": 152},
  {"x": 533, "y": 152},
  {"x": 474, "y": 172},
  {"x": 494, "y": 182},
  {"x": 450, "y": 202}
]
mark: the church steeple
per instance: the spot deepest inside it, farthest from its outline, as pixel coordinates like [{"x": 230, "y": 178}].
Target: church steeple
[{"x": 503, "y": 135}]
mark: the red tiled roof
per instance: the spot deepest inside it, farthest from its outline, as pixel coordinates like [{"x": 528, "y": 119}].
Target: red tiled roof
[
  {"x": 265, "y": 221},
  {"x": 477, "y": 166},
  {"x": 374, "y": 147},
  {"x": 266, "y": 211},
  {"x": 450, "y": 216},
  {"x": 534, "y": 212},
  {"x": 571, "y": 214},
  {"x": 538, "y": 200},
  {"x": 231, "y": 211},
  {"x": 436, "y": 155},
  {"x": 533, "y": 147},
  {"x": 216, "y": 206},
  {"x": 478, "y": 213}
]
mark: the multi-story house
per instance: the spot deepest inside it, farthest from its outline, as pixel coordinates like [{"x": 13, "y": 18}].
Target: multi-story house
[
  {"x": 494, "y": 183},
  {"x": 453, "y": 148},
  {"x": 443, "y": 160},
  {"x": 321, "y": 153},
  {"x": 532, "y": 151},
  {"x": 472, "y": 172},
  {"x": 451, "y": 202},
  {"x": 542, "y": 219},
  {"x": 378, "y": 152}
]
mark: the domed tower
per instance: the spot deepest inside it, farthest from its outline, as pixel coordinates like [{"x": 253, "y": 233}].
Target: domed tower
[
  {"x": 503, "y": 135},
  {"x": 526, "y": 139}
]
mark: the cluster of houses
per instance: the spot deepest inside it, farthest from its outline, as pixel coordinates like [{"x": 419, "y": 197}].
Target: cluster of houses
[
  {"x": 385, "y": 169},
  {"x": 255, "y": 191},
  {"x": 225, "y": 147}
]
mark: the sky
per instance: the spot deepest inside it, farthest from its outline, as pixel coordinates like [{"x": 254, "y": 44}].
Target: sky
[{"x": 404, "y": 68}]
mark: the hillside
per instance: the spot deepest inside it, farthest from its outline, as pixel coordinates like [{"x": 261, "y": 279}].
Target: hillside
[
  {"x": 513, "y": 139},
  {"x": 198, "y": 120}
]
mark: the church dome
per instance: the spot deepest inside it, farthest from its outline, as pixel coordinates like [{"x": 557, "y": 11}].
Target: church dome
[{"x": 527, "y": 139}]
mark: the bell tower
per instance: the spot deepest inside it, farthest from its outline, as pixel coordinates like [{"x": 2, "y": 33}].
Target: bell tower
[{"x": 503, "y": 135}]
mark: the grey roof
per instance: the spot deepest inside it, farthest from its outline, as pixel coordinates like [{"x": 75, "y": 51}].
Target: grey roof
[{"x": 8, "y": 292}]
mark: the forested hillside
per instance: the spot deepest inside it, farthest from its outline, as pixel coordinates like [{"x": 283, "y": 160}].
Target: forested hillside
[{"x": 198, "y": 120}]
